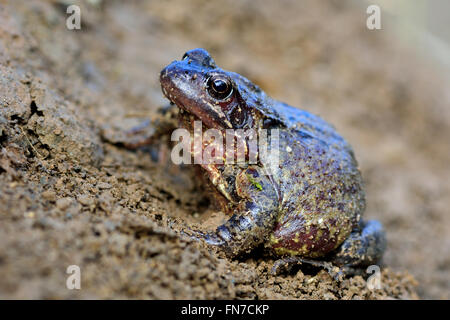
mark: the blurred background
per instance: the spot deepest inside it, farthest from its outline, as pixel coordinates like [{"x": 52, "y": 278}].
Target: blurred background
[{"x": 424, "y": 24}]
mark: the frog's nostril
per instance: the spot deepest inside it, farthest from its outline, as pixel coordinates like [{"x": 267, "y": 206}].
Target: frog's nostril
[
  {"x": 165, "y": 78},
  {"x": 163, "y": 75}
]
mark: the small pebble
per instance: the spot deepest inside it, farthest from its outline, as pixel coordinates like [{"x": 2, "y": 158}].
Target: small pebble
[
  {"x": 104, "y": 185},
  {"x": 63, "y": 203},
  {"x": 49, "y": 195},
  {"x": 85, "y": 199}
]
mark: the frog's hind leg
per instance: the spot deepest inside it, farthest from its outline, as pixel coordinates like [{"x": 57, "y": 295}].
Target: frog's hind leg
[{"x": 364, "y": 247}]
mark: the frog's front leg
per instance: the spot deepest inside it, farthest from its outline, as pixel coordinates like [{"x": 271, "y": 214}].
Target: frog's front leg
[{"x": 254, "y": 217}]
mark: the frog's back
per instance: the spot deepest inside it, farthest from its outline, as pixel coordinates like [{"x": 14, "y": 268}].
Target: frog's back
[{"x": 320, "y": 186}]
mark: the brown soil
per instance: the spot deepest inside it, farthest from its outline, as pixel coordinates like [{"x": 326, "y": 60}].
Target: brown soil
[{"x": 68, "y": 197}]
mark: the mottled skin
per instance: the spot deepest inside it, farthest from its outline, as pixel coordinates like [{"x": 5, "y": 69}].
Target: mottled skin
[{"x": 308, "y": 209}]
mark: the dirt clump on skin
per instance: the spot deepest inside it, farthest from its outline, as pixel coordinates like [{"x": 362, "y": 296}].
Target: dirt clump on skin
[{"x": 69, "y": 196}]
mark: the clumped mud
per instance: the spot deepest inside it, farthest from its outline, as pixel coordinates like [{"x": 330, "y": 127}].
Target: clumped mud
[{"x": 71, "y": 195}]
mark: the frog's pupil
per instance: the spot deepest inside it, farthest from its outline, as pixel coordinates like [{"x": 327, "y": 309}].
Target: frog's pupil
[{"x": 220, "y": 85}]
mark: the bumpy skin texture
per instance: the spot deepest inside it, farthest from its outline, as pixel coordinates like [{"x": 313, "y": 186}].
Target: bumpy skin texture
[{"x": 310, "y": 206}]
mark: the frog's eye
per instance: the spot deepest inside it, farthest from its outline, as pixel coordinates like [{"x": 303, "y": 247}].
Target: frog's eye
[{"x": 219, "y": 87}]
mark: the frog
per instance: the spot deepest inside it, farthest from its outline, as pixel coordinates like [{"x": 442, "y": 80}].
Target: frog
[{"x": 306, "y": 210}]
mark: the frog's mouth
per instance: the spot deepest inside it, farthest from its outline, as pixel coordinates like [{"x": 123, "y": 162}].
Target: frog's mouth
[
  {"x": 201, "y": 112},
  {"x": 187, "y": 120}
]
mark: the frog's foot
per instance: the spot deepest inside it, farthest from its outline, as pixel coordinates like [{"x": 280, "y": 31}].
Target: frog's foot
[
  {"x": 145, "y": 133},
  {"x": 239, "y": 235},
  {"x": 286, "y": 264},
  {"x": 364, "y": 247},
  {"x": 209, "y": 238},
  {"x": 139, "y": 136}
]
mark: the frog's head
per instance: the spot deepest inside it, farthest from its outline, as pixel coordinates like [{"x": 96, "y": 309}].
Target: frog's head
[{"x": 219, "y": 98}]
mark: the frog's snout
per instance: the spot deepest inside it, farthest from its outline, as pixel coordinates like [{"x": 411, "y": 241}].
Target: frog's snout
[
  {"x": 164, "y": 79},
  {"x": 186, "y": 73},
  {"x": 181, "y": 84},
  {"x": 173, "y": 78}
]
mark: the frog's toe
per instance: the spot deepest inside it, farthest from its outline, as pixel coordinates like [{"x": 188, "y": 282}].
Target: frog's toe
[
  {"x": 208, "y": 237},
  {"x": 281, "y": 265},
  {"x": 286, "y": 264}
]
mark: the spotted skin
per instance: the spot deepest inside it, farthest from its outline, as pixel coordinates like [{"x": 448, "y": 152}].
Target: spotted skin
[{"x": 310, "y": 206}]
